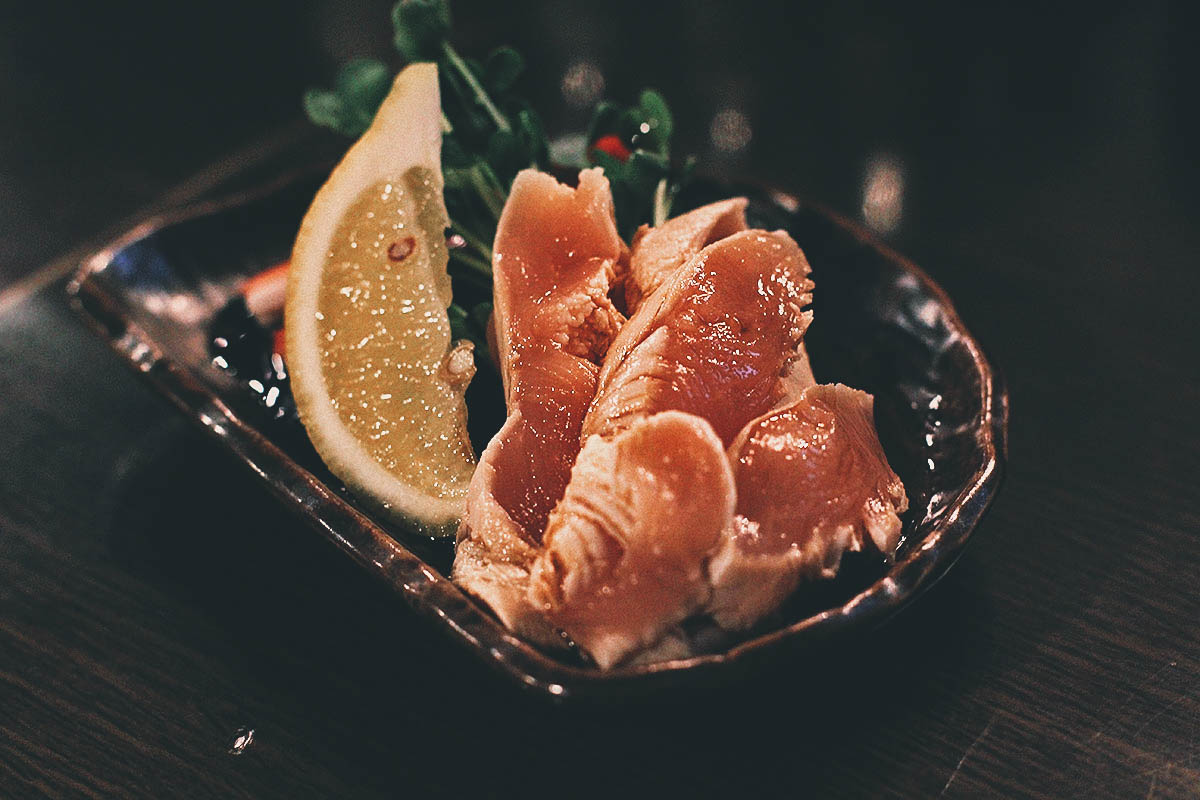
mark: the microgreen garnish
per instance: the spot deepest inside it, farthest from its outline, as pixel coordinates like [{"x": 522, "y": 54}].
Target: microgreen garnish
[
  {"x": 489, "y": 135},
  {"x": 358, "y": 90},
  {"x": 633, "y": 145}
]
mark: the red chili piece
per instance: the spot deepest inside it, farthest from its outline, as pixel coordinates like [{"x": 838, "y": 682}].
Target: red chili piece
[{"x": 613, "y": 146}]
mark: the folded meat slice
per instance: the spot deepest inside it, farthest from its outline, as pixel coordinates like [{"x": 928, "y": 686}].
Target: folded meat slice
[
  {"x": 797, "y": 376},
  {"x": 625, "y": 552},
  {"x": 812, "y": 484},
  {"x": 714, "y": 474},
  {"x": 658, "y": 252},
  {"x": 555, "y": 252},
  {"x": 713, "y": 340}
]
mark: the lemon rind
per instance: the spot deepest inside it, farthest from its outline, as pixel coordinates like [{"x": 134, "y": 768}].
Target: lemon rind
[{"x": 406, "y": 133}]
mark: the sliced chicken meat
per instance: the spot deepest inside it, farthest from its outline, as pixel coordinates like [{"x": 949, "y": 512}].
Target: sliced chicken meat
[
  {"x": 714, "y": 475},
  {"x": 555, "y": 256},
  {"x": 625, "y": 552},
  {"x": 658, "y": 252},
  {"x": 556, "y": 250},
  {"x": 797, "y": 376},
  {"x": 812, "y": 484},
  {"x": 713, "y": 340}
]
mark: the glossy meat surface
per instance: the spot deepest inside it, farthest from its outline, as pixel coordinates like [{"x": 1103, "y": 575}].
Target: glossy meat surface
[
  {"x": 713, "y": 340},
  {"x": 555, "y": 253},
  {"x": 678, "y": 465},
  {"x": 658, "y": 252},
  {"x": 813, "y": 483},
  {"x": 626, "y": 550}
]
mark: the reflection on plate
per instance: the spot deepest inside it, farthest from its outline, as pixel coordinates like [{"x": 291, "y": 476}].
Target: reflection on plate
[{"x": 882, "y": 325}]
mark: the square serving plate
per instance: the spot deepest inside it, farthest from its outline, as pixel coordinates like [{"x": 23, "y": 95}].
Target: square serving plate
[{"x": 880, "y": 324}]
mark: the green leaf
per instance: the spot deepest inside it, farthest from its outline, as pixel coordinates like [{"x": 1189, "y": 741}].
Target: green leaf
[
  {"x": 471, "y": 123},
  {"x": 420, "y": 28},
  {"x": 362, "y": 84},
  {"x": 459, "y": 322},
  {"x": 605, "y": 119},
  {"x": 323, "y": 108},
  {"x": 365, "y": 81},
  {"x": 503, "y": 150},
  {"x": 457, "y": 178},
  {"x": 504, "y": 66},
  {"x": 532, "y": 136},
  {"x": 657, "y": 116},
  {"x": 470, "y": 71},
  {"x": 644, "y": 166},
  {"x": 350, "y": 107},
  {"x": 614, "y": 170},
  {"x": 644, "y": 185}
]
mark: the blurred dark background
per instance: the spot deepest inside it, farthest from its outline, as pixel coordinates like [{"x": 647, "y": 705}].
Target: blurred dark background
[
  {"x": 1039, "y": 160},
  {"x": 1053, "y": 143},
  {"x": 1051, "y": 146},
  {"x": 1066, "y": 130}
]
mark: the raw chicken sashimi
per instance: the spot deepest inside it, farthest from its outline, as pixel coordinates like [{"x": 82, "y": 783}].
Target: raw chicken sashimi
[
  {"x": 555, "y": 253},
  {"x": 713, "y": 340},
  {"x": 532, "y": 460},
  {"x": 797, "y": 376},
  {"x": 658, "y": 252},
  {"x": 556, "y": 250},
  {"x": 714, "y": 474},
  {"x": 812, "y": 483},
  {"x": 625, "y": 552},
  {"x": 627, "y": 549}
]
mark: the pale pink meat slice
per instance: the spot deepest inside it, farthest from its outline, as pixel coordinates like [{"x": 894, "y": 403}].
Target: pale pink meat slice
[
  {"x": 625, "y": 551},
  {"x": 812, "y": 484},
  {"x": 797, "y": 376},
  {"x": 713, "y": 340},
  {"x": 532, "y": 460},
  {"x": 555, "y": 253},
  {"x": 556, "y": 249},
  {"x": 658, "y": 252}
]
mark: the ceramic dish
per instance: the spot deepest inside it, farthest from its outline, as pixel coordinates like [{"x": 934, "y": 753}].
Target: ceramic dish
[{"x": 880, "y": 324}]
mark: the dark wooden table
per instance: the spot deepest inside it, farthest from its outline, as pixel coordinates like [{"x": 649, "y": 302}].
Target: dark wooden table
[{"x": 156, "y": 606}]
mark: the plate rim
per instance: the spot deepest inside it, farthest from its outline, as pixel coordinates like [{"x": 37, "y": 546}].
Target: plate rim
[{"x": 385, "y": 558}]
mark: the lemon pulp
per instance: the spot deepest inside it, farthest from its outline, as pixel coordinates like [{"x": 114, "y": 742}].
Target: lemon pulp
[{"x": 384, "y": 338}]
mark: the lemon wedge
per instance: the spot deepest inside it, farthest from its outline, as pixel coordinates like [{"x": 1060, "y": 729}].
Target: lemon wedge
[{"x": 378, "y": 383}]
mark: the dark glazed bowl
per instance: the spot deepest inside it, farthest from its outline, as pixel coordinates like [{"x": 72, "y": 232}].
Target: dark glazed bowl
[{"x": 880, "y": 324}]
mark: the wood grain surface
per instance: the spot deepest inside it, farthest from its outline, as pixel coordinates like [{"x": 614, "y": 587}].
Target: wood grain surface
[{"x": 156, "y": 606}]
